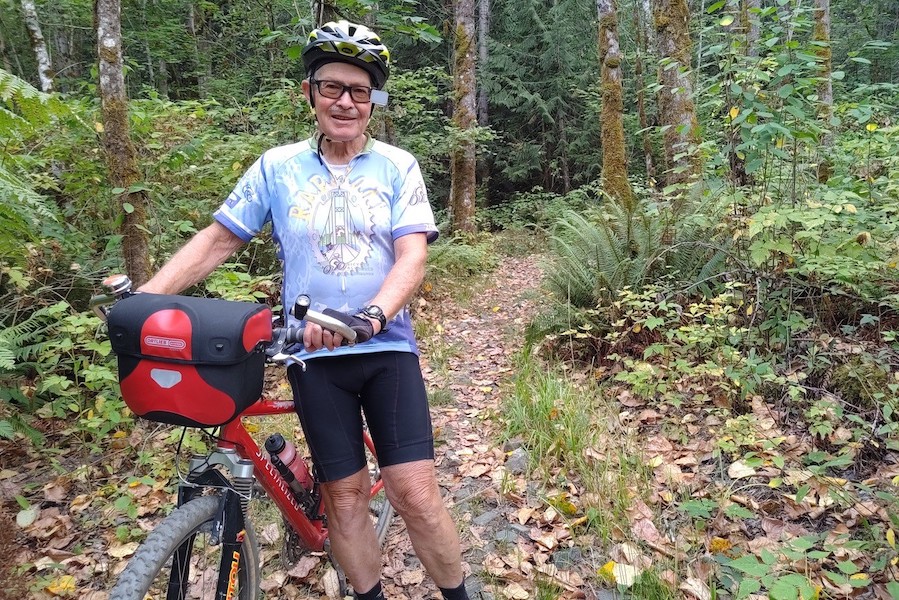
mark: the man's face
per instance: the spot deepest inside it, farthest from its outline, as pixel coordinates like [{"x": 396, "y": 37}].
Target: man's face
[{"x": 340, "y": 119}]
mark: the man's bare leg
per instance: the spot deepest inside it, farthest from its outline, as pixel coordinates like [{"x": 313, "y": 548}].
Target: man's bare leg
[
  {"x": 413, "y": 491},
  {"x": 350, "y": 529}
]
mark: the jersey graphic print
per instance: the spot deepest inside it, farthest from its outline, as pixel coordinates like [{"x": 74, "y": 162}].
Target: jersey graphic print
[
  {"x": 335, "y": 228},
  {"x": 340, "y": 226}
]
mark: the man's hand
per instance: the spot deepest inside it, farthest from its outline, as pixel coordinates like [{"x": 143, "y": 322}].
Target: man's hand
[
  {"x": 362, "y": 325},
  {"x": 316, "y": 338}
]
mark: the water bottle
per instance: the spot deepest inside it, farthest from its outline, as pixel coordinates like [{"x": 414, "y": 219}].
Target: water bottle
[{"x": 283, "y": 454}]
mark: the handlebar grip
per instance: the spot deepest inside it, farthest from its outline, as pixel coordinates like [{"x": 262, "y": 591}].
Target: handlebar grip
[
  {"x": 331, "y": 324},
  {"x": 293, "y": 335}
]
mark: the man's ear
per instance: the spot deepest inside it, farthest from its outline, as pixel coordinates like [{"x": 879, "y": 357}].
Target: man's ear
[{"x": 307, "y": 91}]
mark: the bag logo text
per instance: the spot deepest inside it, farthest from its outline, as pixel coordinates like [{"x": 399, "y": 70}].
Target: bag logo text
[{"x": 165, "y": 342}]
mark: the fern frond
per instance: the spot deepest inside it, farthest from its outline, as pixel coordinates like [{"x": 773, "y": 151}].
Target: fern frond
[
  {"x": 26, "y": 337},
  {"x": 23, "y": 100}
]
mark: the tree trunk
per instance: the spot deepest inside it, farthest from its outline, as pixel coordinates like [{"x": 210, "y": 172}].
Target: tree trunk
[
  {"x": 323, "y": 12},
  {"x": 641, "y": 35},
  {"x": 562, "y": 125},
  {"x": 462, "y": 192},
  {"x": 736, "y": 34},
  {"x": 676, "y": 109},
  {"x": 825, "y": 87},
  {"x": 7, "y": 66},
  {"x": 614, "y": 151},
  {"x": 10, "y": 53},
  {"x": 163, "y": 85},
  {"x": 120, "y": 154},
  {"x": 751, "y": 26},
  {"x": 483, "y": 31},
  {"x": 200, "y": 48},
  {"x": 39, "y": 45}
]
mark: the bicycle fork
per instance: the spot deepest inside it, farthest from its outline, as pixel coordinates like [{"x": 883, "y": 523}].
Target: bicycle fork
[{"x": 227, "y": 528}]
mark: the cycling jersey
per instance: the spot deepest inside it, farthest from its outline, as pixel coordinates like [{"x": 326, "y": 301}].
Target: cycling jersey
[{"x": 335, "y": 231}]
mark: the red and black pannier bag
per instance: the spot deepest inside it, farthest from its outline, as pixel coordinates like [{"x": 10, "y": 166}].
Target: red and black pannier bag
[{"x": 197, "y": 362}]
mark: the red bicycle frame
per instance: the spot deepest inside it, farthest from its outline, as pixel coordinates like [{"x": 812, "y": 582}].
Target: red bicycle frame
[{"x": 235, "y": 436}]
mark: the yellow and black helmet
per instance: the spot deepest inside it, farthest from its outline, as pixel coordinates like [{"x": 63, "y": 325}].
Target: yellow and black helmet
[{"x": 347, "y": 42}]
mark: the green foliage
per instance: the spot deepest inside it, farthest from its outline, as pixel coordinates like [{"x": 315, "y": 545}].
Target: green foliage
[
  {"x": 460, "y": 257},
  {"x": 24, "y": 213},
  {"x": 538, "y": 209},
  {"x": 782, "y": 571},
  {"x": 692, "y": 353},
  {"x": 540, "y": 80}
]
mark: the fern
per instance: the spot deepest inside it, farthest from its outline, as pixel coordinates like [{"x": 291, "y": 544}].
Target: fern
[
  {"x": 23, "y": 211},
  {"x": 26, "y": 106},
  {"x": 26, "y": 339},
  {"x": 598, "y": 254}
]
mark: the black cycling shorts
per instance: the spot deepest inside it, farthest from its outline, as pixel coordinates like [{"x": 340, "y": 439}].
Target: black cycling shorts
[{"x": 332, "y": 394}]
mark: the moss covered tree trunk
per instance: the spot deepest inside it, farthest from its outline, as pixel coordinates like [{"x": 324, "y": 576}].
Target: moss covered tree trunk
[
  {"x": 825, "y": 87},
  {"x": 120, "y": 154},
  {"x": 641, "y": 50},
  {"x": 614, "y": 151},
  {"x": 464, "y": 156},
  {"x": 483, "y": 54},
  {"x": 38, "y": 45},
  {"x": 677, "y": 111}
]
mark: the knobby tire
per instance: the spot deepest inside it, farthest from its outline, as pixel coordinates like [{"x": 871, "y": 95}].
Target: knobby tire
[{"x": 148, "y": 570}]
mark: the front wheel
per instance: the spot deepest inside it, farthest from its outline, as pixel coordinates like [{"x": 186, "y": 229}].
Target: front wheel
[{"x": 147, "y": 575}]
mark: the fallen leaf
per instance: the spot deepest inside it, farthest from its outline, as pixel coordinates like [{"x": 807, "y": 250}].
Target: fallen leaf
[
  {"x": 696, "y": 588},
  {"x": 547, "y": 539},
  {"x": 61, "y": 585},
  {"x": 79, "y": 503},
  {"x": 27, "y": 516},
  {"x": 122, "y": 550},
  {"x": 514, "y": 591},
  {"x": 331, "y": 584},
  {"x": 410, "y": 577},
  {"x": 524, "y": 515},
  {"x": 303, "y": 567},
  {"x": 646, "y": 530},
  {"x": 740, "y": 469}
]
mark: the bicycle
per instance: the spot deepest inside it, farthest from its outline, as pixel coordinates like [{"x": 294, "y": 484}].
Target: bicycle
[{"x": 178, "y": 559}]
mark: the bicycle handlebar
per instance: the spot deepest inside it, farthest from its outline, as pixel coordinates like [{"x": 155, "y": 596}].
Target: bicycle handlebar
[{"x": 119, "y": 288}]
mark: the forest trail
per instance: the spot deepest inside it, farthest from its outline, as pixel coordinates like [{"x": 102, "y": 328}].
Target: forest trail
[
  {"x": 468, "y": 365},
  {"x": 75, "y": 544}
]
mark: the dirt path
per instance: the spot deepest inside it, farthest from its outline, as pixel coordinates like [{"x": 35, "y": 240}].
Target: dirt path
[{"x": 468, "y": 365}]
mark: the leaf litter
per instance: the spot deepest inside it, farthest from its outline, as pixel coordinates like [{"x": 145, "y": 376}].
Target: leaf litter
[{"x": 758, "y": 515}]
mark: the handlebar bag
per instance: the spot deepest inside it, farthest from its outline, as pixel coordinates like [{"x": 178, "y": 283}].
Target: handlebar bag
[{"x": 197, "y": 362}]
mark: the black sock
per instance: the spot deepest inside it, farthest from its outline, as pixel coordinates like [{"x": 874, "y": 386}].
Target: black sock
[
  {"x": 374, "y": 593},
  {"x": 456, "y": 593}
]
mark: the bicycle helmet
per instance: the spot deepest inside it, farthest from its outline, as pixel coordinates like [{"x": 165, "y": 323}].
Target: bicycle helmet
[{"x": 347, "y": 42}]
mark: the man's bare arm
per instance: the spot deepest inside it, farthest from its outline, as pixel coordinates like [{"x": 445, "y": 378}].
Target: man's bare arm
[
  {"x": 198, "y": 258},
  {"x": 405, "y": 276}
]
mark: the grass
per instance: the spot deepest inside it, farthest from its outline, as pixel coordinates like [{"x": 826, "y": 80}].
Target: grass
[{"x": 572, "y": 434}]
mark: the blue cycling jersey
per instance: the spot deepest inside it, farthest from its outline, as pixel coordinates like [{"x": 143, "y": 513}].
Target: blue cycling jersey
[{"x": 335, "y": 231}]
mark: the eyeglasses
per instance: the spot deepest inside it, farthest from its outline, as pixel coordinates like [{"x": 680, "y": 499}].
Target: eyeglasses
[{"x": 334, "y": 90}]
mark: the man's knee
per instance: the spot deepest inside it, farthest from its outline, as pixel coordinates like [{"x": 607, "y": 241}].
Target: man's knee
[
  {"x": 415, "y": 493},
  {"x": 346, "y": 497}
]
